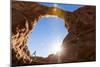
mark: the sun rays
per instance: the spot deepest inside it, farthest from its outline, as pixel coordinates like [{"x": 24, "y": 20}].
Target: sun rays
[{"x": 56, "y": 48}]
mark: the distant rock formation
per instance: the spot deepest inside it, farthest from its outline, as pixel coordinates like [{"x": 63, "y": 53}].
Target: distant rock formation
[{"x": 78, "y": 45}]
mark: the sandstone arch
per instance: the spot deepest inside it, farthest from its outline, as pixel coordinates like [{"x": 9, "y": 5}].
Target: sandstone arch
[{"x": 79, "y": 44}]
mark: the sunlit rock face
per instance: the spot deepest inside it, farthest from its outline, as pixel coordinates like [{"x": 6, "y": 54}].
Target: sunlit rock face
[{"x": 78, "y": 45}]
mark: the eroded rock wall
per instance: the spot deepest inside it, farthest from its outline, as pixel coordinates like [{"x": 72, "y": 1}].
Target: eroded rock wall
[{"x": 79, "y": 45}]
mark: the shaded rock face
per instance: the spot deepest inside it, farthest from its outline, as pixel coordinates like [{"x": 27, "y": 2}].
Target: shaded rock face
[{"x": 78, "y": 45}]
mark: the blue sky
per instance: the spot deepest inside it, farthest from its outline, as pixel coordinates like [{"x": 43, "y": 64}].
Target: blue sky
[
  {"x": 68, "y": 7},
  {"x": 48, "y": 33}
]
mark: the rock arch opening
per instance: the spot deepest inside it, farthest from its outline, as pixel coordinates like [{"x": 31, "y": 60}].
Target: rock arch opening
[{"x": 47, "y": 36}]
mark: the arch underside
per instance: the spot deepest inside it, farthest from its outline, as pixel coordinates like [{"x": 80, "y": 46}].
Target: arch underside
[{"x": 78, "y": 45}]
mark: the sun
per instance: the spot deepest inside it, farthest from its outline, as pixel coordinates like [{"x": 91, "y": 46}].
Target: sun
[{"x": 56, "y": 48}]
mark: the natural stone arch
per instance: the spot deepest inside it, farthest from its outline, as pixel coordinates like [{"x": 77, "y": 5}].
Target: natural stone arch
[{"x": 26, "y": 14}]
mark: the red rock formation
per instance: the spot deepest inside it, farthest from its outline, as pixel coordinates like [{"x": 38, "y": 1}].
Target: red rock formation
[{"x": 79, "y": 44}]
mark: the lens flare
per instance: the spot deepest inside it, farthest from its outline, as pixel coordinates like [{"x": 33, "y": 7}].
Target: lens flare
[
  {"x": 55, "y": 5},
  {"x": 56, "y": 48}
]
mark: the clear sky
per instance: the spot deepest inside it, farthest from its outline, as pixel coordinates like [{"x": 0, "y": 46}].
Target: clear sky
[
  {"x": 68, "y": 7},
  {"x": 48, "y": 33}
]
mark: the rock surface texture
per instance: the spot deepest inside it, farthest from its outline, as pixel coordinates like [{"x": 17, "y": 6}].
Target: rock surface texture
[{"x": 78, "y": 45}]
